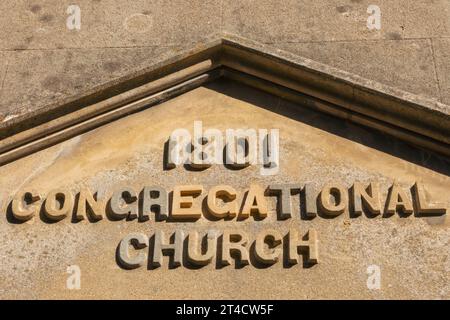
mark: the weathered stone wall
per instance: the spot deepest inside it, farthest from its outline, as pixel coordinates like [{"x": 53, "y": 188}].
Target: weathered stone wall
[
  {"x": 411, "y": 251},
  {"x": 41, "y": 60}
]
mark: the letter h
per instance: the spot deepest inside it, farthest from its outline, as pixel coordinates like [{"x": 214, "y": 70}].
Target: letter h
[{"x": 161, "y": 246}]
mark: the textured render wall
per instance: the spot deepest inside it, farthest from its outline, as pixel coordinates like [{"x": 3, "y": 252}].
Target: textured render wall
[{"x": 41, "y": 60}]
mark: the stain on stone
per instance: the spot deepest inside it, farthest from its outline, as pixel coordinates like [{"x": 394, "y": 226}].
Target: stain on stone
[
  {"x": 80, "y": 67},
  {"x": 46, "y": 18},
  {"x": 35, "y": 8},
  {"x": 356, "y": 1},
  {"x": 343, "y": 9},
  {"x": 51, "y": 83},
  {"x": 394, "y": 36},
  {"x": 146, "y": 12},
  {"x": 111, "y": 66},
  {"x": 25, "y": 74},
  {"x": 138, "y": 23}
]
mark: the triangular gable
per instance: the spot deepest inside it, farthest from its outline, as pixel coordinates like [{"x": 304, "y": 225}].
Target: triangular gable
[{"x": 419, "y": 121}]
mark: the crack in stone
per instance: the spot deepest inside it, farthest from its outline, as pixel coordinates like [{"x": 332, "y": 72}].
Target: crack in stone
[
  {"x": 433, "y": 55},
  {"x": 4, "y": 77}
]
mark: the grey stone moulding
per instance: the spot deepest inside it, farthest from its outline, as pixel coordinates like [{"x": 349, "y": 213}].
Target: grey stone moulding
[{"x": 417, "y": 120}]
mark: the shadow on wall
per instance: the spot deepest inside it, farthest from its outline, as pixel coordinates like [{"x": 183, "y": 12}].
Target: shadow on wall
[{"x": 337, "y": 126}]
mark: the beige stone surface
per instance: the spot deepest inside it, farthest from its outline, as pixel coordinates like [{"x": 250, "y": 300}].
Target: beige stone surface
[
  {"x": 143, "y": 23},
  {"x": 3, "y": 70},
  {"x": 41, "y": 77},
  {"x": 442, "y": 53},
  {"x": 34, "y": 34},
  {"x": 406, "y": 65},
  {"x": 333, "y": 32},
  {"x": 39, "y": 24},
  {"x": 107, "y": 23},
  {"x": 42, "y": 62},
  {"x": 302, "y": 21},
  {"x": 412, "y": 252}
]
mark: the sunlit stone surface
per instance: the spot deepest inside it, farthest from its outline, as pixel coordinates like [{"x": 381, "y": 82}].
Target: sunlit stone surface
[{"x": 411, "y": 250}]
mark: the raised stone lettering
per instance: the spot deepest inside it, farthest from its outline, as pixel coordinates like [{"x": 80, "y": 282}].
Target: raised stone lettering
[
  {"x": 309, "y": 197},
  {"x": 179, "y": 148},
  {"x": 234, "y": 242},
  {"x": 230, "y": 206},
  {"x": 366, "y": 197},
  {"x": 89, "y": 205},
  {"x": 154, "y": 200},
  {"x": 284, "y": 193},
  {"x": 310, "y": 246},
  {"x": 58, "y": 204},
  {"x": 340, "y": 195},
  {"x": 241, "y": 147},
  {"x": 422, "y": 205},
  {"x": 255, "y": 203},
  {"x": 138, "y": 241},
  {"x": 195, "y": 255},
  {"x": 25, "y": 205},
  {"x": 398, "y": 200},
  {"x": 124, "y": 203},
  {"x": 183, "y": 206},
  {"x": 161, "y": 246},
  {"x": 271, "y": 255}
]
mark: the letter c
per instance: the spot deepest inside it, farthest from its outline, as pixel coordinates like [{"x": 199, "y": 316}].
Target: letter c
[{"x": 139, "y": 241}]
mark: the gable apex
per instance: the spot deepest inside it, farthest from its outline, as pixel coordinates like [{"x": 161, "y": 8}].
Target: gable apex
[{"x": 419, "y": 121}]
